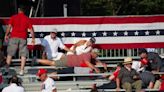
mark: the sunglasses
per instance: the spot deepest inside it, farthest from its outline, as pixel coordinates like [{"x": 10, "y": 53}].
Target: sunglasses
[{"x": 130, "y": 63}]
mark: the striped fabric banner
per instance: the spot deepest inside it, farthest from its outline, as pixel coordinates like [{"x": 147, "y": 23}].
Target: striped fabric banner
[{"x": 110, "y": 32}]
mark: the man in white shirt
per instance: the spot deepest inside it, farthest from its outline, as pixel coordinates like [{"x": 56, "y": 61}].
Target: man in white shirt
[
  {"x": 14, "y": 86},
  {"x": 80, "y": 47},
  {"x": 83, "y": 46},
  {"x": 140, "y": 66},
  {"x": 50, "y": 44},
  {"x": 48, "y": 84}
]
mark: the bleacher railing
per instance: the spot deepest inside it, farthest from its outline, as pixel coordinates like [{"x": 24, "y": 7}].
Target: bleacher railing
[{"x": 106, "y": 54}]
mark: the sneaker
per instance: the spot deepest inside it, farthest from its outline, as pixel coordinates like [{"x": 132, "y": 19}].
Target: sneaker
[
  {"x": 21, "y": 73},
  {"x": 34, "y": 62}
]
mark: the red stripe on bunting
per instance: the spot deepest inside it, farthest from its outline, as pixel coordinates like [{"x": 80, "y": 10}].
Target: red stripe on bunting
[{"x": 94, "y": 20}]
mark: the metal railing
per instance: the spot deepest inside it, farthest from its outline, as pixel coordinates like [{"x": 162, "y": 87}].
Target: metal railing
[
  {"x": 106, "y": 54},
  {"x": 121, "y": 53}
]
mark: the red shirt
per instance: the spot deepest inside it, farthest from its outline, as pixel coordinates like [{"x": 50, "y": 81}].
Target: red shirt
[
  {"x": 78, "y": 60},
  {"x": 20, "y": 23}
]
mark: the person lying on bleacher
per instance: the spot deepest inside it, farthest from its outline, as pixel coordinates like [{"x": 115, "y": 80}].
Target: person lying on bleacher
[
  {"x": 50, "y": 45},
  {"x": 83, "y": 46},
  {"x": 86, "y": 59},
  {"x": 128, "y": 78}
]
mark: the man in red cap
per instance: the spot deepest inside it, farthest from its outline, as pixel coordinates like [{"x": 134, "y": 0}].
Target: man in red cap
[{"x": 48, "y": 84}]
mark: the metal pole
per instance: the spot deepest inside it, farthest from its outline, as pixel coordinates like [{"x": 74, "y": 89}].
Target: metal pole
[
  {"x": 37, "y": 8},
  {"x": 42, "y": 8},
  {"x": 65, "y": 10},
  {"x": 31, "y": 11}
]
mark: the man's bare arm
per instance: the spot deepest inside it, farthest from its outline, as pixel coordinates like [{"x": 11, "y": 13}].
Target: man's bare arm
[
  {"x": 33, "y": 35},
  {"x": 7, "y": 32},
  {"x": 54, "y": 90},
  {"x": 117, "y": 84},
  {"x": 98, "y": 62},
  {"x": 92, "y": 66}
]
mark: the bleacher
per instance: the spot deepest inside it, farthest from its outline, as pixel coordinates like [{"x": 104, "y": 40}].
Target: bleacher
[{"x": 31, "y": 84}]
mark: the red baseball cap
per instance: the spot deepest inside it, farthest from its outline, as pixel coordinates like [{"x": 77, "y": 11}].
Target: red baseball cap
[
  {"x": 144, "y": 61},
  {"x": 41, "y": 71}
]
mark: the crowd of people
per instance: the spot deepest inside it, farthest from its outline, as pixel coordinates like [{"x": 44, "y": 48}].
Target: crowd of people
[
  {"x": 128, "y": 75},
  {"x": 138, "y": 74}
]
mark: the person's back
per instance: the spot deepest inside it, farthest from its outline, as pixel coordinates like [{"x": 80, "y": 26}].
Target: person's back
[
  {"x": 13, "y": 88},
  {"x": 155, "y": 61},
  {"x": 16, "y": 37},
  {"x": 148, "y": 79},
  {"x": 20, "y": 23}
]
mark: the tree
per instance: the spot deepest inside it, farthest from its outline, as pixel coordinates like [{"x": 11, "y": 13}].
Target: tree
[{"x": 121, "y": 7}]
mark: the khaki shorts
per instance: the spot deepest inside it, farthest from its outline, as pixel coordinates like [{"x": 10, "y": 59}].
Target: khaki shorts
[
  {"x": 62, "y": 62},
  {"x": 14, "y": 44}
]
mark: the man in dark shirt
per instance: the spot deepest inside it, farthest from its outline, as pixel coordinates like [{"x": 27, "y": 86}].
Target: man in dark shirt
[
  {"x": 155, "y": 62},
  {"x": 128, "y": 77}
]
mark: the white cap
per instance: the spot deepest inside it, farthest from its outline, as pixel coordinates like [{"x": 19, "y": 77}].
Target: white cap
[{"x": 54, "y": 30}]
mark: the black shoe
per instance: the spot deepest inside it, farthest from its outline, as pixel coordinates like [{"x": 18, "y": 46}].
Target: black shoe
[{"x": 34, "y": 61}]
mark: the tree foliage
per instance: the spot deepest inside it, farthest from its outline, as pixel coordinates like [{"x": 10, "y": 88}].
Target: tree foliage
[{"x": 121, "y": 7}]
